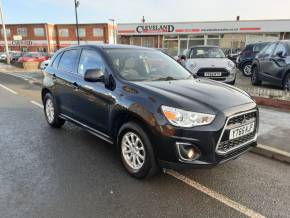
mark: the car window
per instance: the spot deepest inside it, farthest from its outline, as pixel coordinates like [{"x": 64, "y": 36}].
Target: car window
[
  {"x": 55, "y": 61},
  {"x": 259, "y": 47},
  {"x": 145, "y": 65},
  {"x": 207, "y": 52},
  {"x": 90, "y": 60},
  {"x": 280, "y": 48},
  {"x": 68, "y": 60},
  {"x": 270, "y": 50}
]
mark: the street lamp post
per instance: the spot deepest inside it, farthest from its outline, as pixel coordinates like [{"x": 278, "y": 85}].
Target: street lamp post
[
  {"x": 114, "y": 31},
  {"x": 77, "y": 4},
  {"x": 4, "y": 34}
]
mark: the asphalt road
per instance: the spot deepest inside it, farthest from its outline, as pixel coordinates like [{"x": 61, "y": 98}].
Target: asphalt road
[{"x": 70, "y": 173}]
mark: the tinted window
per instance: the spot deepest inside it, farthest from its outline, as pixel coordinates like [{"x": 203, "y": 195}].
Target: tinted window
[
  {"x": 249, "y": 48},
  {"x": 280, "y": 48},
  {"x": 259, "y": 47},
  {"x": 68, "y": 60},
  {"x": 270, "y": 50},
  {"x": 90, "y": 60},
  {"x": 146, "y": 65}
]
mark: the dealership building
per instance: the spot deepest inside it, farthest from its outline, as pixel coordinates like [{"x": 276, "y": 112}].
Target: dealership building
[
  {"x": 175, "y": 37},
  {"x": 44, "y": 37}
]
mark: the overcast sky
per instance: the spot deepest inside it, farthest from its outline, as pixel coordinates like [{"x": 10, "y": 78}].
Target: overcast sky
[{"x": 126, "y": 11}]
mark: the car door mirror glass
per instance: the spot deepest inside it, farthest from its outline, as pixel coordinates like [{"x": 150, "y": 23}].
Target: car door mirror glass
[{"x": 94, "y": 75}]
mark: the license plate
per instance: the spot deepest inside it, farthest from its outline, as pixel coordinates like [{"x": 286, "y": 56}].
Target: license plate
[
  {"x": 242, "y": 130},
  {"x": 212, "y": 74}
]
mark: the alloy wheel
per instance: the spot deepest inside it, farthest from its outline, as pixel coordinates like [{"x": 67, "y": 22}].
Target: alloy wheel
[
  {"x": 133, "y": 150},
  {"x": 248, "y": 70},
  {"x": 49, "y": 110}
]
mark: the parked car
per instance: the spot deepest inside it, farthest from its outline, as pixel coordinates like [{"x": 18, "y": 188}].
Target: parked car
[
  {"x": 246, "y": 57},
  {"x": 44, "y": 64},
  {"x": 32, "y": 57},
  {"x": 3, "y": 57},
  {"x": 232, "y": 54},
  {"x": 273, "y": 65},
  {"x": 210, "y": 62},
  {"x": 154, "y": 111}
]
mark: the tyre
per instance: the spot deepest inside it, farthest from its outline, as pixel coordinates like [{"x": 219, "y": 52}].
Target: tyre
[
  {"x": 136, "y": 151},
  {"x": 51, "y": 112},
  {"x": 247, "y": 69},
  {"x": 255, "y": 77},
  {"x": 286, "y": 82}
]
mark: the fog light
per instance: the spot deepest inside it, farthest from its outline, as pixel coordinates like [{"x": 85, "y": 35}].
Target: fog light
[{"x": 187, "y": 152}]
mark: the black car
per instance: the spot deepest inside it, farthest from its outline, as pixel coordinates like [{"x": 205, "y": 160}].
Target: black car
[
  {"x": 246, "y": 57},
  {"x": 273, "y": 65},
  {"x": 149, "y": 106}
]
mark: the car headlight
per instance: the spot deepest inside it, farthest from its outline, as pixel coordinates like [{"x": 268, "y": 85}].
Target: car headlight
[
  {"x": 231, "y": 65},
  {"x": 182, "y": 118}
]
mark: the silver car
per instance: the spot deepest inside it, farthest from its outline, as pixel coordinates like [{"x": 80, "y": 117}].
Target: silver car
[{"x": 210, "y": 62}]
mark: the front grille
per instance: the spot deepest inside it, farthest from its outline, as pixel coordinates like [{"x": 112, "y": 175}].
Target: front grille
[
  {"x": 201, "y": 71},
  {"x": 226, "y": 145}
]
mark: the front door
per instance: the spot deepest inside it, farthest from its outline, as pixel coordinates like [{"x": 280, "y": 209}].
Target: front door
[{"x": 94, "y": 99}]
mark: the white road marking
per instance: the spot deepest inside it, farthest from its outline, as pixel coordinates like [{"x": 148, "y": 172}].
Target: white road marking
[
  {"x": 37, "y": 104},
  {"x": 223, "y": 199},
  {"x": 8, "y": 89}
]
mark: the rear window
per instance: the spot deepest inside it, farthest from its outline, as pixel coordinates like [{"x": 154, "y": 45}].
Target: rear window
[{"x": 68, "y": 60}]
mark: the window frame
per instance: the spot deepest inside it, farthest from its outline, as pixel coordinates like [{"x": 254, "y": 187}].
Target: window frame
[
  {"x": 60, "y": 30},
  {"x": 23, "y": 28}
]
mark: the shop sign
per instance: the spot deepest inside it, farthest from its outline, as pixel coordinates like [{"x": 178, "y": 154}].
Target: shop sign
[
  {"x": 22, "y": 42},
  {"x": 155, "y": 28}
]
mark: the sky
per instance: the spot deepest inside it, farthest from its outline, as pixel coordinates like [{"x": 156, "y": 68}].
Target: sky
[{"x": 131, "y": 11}]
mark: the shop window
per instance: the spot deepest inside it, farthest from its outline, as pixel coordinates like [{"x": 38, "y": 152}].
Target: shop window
[
  {"x": 98, "y": 32},
  {"x": 135, "y": 41},
  {"x": 63, "y": 32},
  {"x": 82, "y": 32},
  {"x": 196, "y": 36},
  {"x": 39, "y": 31},
  {"x": 22, "y": 31},
  {"x": 24, "y": 49},
  {"x": 183, "y": 36},
  {"x": 171, "y": 47},
  {"x": 183, "y": 47},
  {"x": 195, "y": 43},
  {"x": 171, "y": 37},
  {"x": 213, "y": 36},
  {"x": 214, "y": 42},
  {"x": 8, "y": 32},
  {"x": 148, "y": 42}
]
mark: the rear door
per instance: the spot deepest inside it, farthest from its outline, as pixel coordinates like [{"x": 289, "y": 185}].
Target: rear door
[
  {"x": 66, "y": 76},
  {"x": 265, "y": 60}
]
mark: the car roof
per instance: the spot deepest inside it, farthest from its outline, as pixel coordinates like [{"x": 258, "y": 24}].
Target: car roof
[{"x": 109, "y": 46}]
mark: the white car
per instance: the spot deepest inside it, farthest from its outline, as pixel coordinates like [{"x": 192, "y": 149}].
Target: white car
[
  {"x": 44, "y": 64},
  {"x": 210, "y": 62},
  {"x": 3, "y": 57}
]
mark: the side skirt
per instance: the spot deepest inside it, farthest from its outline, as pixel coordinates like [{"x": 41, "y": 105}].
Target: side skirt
[{"x": 95, "y": 132}]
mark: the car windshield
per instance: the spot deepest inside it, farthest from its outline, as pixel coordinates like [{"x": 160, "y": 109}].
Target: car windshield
[
  {"x": 146, "y": 65},
  {"x": 31, "y": 55},
  {"x": 206, "y": 52}
]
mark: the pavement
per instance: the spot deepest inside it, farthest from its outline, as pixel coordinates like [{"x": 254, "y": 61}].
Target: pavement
[{"x": 68, "y": 172}]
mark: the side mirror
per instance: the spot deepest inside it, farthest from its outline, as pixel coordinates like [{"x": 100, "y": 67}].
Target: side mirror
[
  {"x": 182, "y": 57},
  {"x": 94, "y": 75},
  {"x": 280, "y": 54}
]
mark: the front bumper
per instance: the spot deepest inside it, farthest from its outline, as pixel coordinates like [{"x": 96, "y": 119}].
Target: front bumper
[
  {"x": 228, "y": 75},
  {"x": 204, "y": 139}
]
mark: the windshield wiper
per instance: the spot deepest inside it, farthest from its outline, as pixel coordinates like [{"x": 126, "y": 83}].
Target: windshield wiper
[{"x": 168, "y": 78}]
